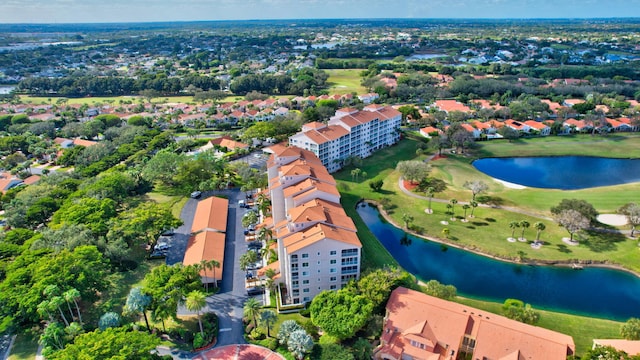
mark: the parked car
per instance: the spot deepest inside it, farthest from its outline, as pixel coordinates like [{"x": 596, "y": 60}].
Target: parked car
[
  {"x": 255, "y": 245},
  {"x": 156, "y": 254},
  {"x": 196, "y": 194},
  {"x": 168, "y": 232},
  {"x": 249, "y": 275},
  {"x": 256, "y": 290},
  {"x": 162, "y": 246}
]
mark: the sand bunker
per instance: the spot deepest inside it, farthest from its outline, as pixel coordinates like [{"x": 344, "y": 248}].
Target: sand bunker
[{"x": 612, "y": 219}]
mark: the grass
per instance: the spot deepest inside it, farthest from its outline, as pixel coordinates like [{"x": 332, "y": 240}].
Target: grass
[
  {"x": 175, "y": 201},
  {"x": 24, "y": 347},
  {"x": 94, "y": 100},
  {"x": 583, "y": 329},
  {"x": 345, "y": 81}
]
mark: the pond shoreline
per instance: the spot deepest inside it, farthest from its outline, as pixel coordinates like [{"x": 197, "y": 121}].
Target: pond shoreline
[{"x": 577, "y": 264}]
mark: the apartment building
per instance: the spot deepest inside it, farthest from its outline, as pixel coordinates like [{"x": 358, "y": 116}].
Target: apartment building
[
  {"x": 318, "y": 248},
  {"x": 419, "y": 326},
  {"x": 350, "y": 133}
]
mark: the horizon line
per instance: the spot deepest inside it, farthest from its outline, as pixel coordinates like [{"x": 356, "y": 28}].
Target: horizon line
[{"x": 325, "y": 19}]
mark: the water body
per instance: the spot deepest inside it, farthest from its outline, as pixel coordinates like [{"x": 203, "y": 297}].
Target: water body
[
  {"x": 562, "y": 172},
  {"x": 596, "y": 292},
  {"x": 425, "y": 56},
  {"x": 6, "y": 89}
]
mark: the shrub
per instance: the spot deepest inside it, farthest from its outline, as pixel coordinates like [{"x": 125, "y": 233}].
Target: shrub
[
  {"x": 270, "y": 343},
  {"x": 198, "y": 341},
  {"x": 257, "y": 334},
  {"x": 328, "y": 339},
  {"x": 305, "y": 312}
]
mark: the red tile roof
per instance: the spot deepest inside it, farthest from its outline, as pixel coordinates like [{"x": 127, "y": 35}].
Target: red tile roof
[{"x": 211, "y": 213}]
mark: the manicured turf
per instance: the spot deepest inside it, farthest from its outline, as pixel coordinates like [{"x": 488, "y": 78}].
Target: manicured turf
[
  {"x": 582, "y": 329},
  {"x": 345, "y": 81},
  {"x": 95, "y": 100}
]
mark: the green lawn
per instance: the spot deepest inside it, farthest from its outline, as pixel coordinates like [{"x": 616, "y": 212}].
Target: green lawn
[
  {"x": 24, "y": 347},
  {"x": 176, "y": 202},
  {"x": 583, "y": 329},
  {"x": 345, "y": 81}
]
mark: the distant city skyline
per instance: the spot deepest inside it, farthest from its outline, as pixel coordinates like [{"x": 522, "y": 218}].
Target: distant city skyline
[{"x": 92, "y": 11}]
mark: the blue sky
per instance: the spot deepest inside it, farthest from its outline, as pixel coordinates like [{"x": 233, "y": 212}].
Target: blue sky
[{"x": 65, "y": 11}]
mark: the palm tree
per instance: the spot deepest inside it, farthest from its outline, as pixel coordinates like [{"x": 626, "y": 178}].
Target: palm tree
[
  {"x": 430, "y": 191},
  {"x": 474, "y": 205},
  {"x": 299, "y": 343},
  {"x": 453, "y": 205},
  {"x": 252, "y": 309},
  {"x": 539, "y": 228},
  {"x": 407, "y": 220},
  {"x": 265, "y": 234},
  {"x": 196, "y": 301},
  {"x": 524, "y": 224},
  {"x": 268, "y": 319},
  {"x": 213, "y": 264},
  {"x": 72, "y": 295},
  {"x": 203, "y": 266},
  {"x": 44, "y": 309},
  {"x": 56, "y": 302},
  {"x": 355, "y": 173},
  {"x": 466, "y": 207},
  {"x": 513, "y": 226}
]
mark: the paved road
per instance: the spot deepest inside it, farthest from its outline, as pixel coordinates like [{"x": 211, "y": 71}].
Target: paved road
[{"x": 229, "y": 300}]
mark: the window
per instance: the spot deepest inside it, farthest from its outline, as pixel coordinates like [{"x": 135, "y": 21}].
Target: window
[
  {"x": 294, "y": 267},
  {"x": 348, "y": 252},
  {"x": 296, "y": 292},
  {"x": 332, "y": 270},
  {"x": 305, "y": 256},
  {"x": 333, "y": 261},
  {"x": 294, "y": 276},
  {"x": 294, "y": 284},
  {"x": 294, "y": 258},
  {"x": 305, "y": 273},
  {"x": 306, "y": 299},
  {"x": 296, "y": 300},
  {"x": 333, "y": 278},
  {"x": 305, "y": 282},
  {"x": 305, "y": 264},
  {"x": 305, "y": 290},
  {"x": 318, "y": 253},
  {"x": 333, "y": 253},
  {"x": 333, "y": 287}
]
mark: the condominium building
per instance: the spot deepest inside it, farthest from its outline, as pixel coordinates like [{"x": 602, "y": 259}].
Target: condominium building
[
  {"x": 350, "y": 133},
  {"x": 317, "y": 245},
  {"x": 419, "y": 326}
]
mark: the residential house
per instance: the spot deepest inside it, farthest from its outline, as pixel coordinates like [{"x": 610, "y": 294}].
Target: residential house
[
  {"x": 350, "y": 133},
  {"x": 572, "y": 102},
  {"x": 419, "y": 326},
  {"x": 227, "y": 142},
  {"x": 516, "y": 125},
  {"x": 541, "y": 128},
  {"x": 368, "y": 98},
  {"x": 451, "y": 105},
  {"x": 631, "y": 347},
  {"x": 317, "y": 245},
  {"x": 616, "y": 125},
  {"x": 429, "y": 130},
  {"x": 472, "y": 130},
  {"x": 8, "y": 181},
  {"x": 577, "y": 125},
  {"x": 209, "y": 236}
]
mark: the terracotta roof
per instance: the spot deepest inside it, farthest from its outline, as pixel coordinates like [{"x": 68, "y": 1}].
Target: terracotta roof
[
  {"x": 514, "y": 124},
  {"x": 31, "y": 179},
  {"x": 322, "y": 211},
  {"x": 227, "y": 142},
  {"x": 207, "y": 245},
  {"x": 631, "y": 347},
  {"x": 319, "y": 232},
  {"x": 82, "y": 142},
  {"x": 441, "y": 325},
  {"x": 211, "y": 214},
  {"x": 451, "y": 105},
  {"x": 536, "y": 125},
  {"x": 430, "y": 129},
  {"x": 310, "y": 184},
  {"x": 485, "y": 104}
]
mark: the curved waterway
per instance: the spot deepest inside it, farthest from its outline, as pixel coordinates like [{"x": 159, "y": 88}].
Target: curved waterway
[
  {"x": 561, "y": 172},
  {"x": 598, "y": 292}
]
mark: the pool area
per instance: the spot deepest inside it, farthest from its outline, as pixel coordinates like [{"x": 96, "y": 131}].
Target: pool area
[
  {"x": 561, "y": 172},
  {"x": 597, "y": 292}
]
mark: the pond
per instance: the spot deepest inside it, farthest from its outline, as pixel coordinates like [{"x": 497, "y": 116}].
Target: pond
[
  {"x": 595, "y": 292},
  {"x": 561, "y": 172}
]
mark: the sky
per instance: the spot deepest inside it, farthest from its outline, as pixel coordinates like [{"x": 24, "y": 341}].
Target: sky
[{"x": 90, "y": 11}]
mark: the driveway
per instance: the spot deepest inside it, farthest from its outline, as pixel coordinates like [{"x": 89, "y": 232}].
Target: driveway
[
  {"x": 257, "y": 160},
  {"x": 229, "y": 300}
]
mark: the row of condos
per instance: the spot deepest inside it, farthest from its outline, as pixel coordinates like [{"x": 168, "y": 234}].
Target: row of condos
[
  {"x": 317, "y": 245},
  {"x": 350, "y": 133}
]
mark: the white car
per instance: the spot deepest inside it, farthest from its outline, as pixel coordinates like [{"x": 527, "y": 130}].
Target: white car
[{"x": 162, "y": 246}]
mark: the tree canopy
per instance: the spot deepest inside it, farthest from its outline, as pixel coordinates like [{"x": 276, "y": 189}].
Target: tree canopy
[
  {"x": 413, "y": 170},
  {"x": 340, "y": 313}
]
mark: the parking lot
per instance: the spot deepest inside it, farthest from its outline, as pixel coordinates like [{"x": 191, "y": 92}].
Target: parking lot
[{"x": 257, "y": 159}]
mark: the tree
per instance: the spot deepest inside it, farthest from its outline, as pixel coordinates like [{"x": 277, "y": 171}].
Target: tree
[
  {"x": 413, "y": 170},
  {"x": 435, "y": 288},
  {"x": 465, "y": 207},
  {"x": 286, "y": 329},
  {"x": 299, "y": 343},
  {"x": 339, "y": 313},
  {"x": 584, "y": 208},
  {"x": 251, "y": 309},
  {"x": 524, "y": 224},
  {"x": 632, "y": 212},
  {"x": 53, "y": 337},
  {"x": 476, "y": 187},
  {"x": 573, "y": 221},
  {"x": 539, "y": 228},
  {"x": 268, "y": 319},
  {"x": 72, "y": 295},
  {"x": 516, "y": 310},
  {"x": 355, "y": 173},
  {"x": 430, "y": 191},
  {"x": 247, "y": 259},
  {"x": 376, "y": 185},
  {"x": 362, "y": 349},
  {"x": 607, "y": 353},
  {"x": 196, "y": 301},
  {"x": 453, "y": 203},
  {"x": 137, "y": 302},
  {"x": 407, "y": 219},
  {"x": 630, "y": 330},
  {"x": 249, "y": 218},
  {"x": 509, "y": 133},
  {"x": 513, "y": 225},
  {"x": 213, "y": 264},
  {"x": 112, "y": 343},
  {"x": 109, "y": 320},
  {"x": 331, "y": 352}
]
